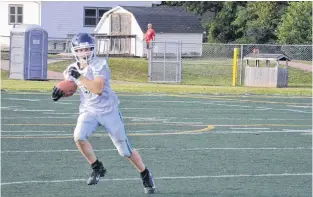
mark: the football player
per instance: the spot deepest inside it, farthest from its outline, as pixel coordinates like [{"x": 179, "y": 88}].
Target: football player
[{"x": 99, "y": 106}]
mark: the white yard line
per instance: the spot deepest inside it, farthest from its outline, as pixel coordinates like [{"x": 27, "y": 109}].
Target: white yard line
[
  {"x": 19, "y": 99},
  {"x": 34, "y": 131},
  {"x": 34, "y": 110},
  {"x": 249, "y": 128},
  {"x": 260, "y": 132},
  {"x": 164, "y": 178},
  {"x": 165, "y": 149}
]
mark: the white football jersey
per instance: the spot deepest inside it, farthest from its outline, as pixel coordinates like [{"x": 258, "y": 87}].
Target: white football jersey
[{"x": 90, "y": 102}]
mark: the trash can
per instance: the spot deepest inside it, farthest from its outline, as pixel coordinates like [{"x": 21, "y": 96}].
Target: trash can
[{"x": 28, "y": 53}]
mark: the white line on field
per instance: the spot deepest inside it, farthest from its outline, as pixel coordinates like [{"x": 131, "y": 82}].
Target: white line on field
[
  {"x": 166, "y": 178},
  {"x": 9, "y": 107},
  {"x": 261, "y": 119},
  {"x": 298, "y": 130},
  {"x": 48, "y": 117},
  {"x": 34, "y": 110},
  {"x": 166, "y": 149},
  {"x": 299, "y": 106},
  {"x": 34, "y": 131},
  {"x": 263, "y": 108},
  {"x": 259, "y": 132},
  {"x": 294, "y": 110},
  {"x": 19, "y": 99},
  {"x": 212, "y": 103},
  {"x": 38, "y": 135},
  {"x": 144, "y": 131},
  {"x": 60, "y": 113},
  {"x": 74, "y": 116},
  {"x": 183, "y": 123},
  {"x": 187, "y": 108},
  {"x": 70, "y": 131},
  {"x": 63, "y": 103},
  {"x": 306, "y": 134},
  {"x": 148, "y": 119},
  {"x": 249, "y": 128},
  {"x": 178, "y": 101}
]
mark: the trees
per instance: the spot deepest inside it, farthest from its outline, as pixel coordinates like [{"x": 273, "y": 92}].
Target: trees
[
  {"x": 296, "y": 25},
  {"x": 221, "y": 28},
  {"x": 254, "y": 22},
  {"x": 258, "y": 21}
]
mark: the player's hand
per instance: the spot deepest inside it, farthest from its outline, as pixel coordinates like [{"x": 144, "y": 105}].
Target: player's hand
[
  {"x": 74, "y": 72},
  {"x": 56, "y": 93}
]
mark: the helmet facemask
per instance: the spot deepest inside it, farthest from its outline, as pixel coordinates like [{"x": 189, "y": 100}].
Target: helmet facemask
[{"x": 83, "y": 55}]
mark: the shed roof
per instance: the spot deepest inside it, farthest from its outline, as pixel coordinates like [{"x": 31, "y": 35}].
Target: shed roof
[
  {"x": 266, "y": 56},
  {"x": 167, "y": 19},
  {"x": 164, "y": 19}
]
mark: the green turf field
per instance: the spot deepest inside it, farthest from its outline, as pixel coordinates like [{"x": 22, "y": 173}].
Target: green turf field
[{"x": 196, "y": 145}]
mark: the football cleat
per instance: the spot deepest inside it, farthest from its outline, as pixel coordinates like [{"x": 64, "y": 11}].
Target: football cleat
[
  {"x": 148, "y": 183},
  {"x": 96, "y": 174}
]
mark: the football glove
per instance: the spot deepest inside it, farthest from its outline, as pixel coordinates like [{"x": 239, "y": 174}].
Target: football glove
[
  {"x": 57, "y": 93},
  {"x": 74, "y": 72}
]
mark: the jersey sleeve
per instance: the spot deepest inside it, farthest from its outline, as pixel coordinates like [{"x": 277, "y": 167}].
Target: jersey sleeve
[{"x": 99, "y": 69}]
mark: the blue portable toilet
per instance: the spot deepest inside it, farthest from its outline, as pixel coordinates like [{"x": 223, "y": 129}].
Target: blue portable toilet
[{"x": 28, "y": 53}]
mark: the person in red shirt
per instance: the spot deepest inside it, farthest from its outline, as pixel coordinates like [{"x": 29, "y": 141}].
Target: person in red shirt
[{"x": 150, "y": 35}]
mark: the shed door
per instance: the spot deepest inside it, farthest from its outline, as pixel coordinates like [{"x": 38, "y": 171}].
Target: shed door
[
  {"x": 36, "y": 51},
  {"x": 120, "y": 27}
]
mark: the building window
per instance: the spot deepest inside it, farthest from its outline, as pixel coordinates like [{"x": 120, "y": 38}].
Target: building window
[
  {"x": 15, "y": 14},
  {"x": 92, "y": 16}
]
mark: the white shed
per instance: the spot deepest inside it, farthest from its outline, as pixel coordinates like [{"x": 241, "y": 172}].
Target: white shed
[{"x": 123, "y": 29}]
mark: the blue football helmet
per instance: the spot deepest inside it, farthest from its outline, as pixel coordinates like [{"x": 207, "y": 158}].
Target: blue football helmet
[{"x": 83, "y": 41}]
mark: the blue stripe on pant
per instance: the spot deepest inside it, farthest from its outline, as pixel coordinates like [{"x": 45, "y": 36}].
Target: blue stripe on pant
[{"x": 127, "y": 143}]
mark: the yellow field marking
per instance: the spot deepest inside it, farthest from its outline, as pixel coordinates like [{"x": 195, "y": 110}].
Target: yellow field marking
[{"x": 208, "y": 128}]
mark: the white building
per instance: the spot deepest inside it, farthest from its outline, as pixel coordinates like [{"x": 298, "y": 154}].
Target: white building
[
  {"x": 171, "y": 24},
  {"x": 59, "y": 18}
]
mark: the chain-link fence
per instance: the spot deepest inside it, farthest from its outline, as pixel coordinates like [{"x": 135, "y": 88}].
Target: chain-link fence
[
  {"x": 207, "y": 64},
  {"x": 212, "y": 64},
  {"x": 165, "y": 62}
]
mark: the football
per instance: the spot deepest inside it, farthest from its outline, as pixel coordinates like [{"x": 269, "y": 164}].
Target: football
[{"x": 68, "y": 87}]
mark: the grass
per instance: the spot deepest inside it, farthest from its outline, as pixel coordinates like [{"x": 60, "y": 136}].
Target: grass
[
  {"x": 46, "y": 86},
  {"x": 299, "y": 78},
  {"x": 123, "y": 69}
]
